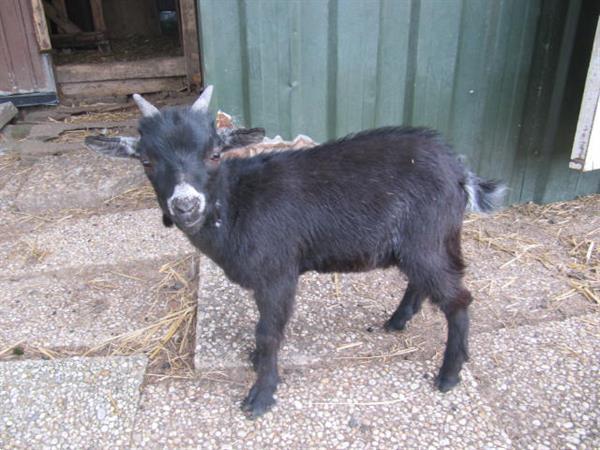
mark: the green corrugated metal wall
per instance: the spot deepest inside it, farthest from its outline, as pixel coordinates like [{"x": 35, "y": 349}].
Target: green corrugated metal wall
[{"x": 487, "y": 73}]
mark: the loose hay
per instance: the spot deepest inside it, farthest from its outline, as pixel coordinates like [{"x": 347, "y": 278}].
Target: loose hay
[
  {"x": 168, "y": 341},
  {"x": 110, "y": 116},
  {"x": 136, "y": 196},
  {"x": 578, "y": 260},
  {"x": 29, "y": 252}
]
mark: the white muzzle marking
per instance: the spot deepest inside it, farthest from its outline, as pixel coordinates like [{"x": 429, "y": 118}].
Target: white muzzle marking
[{"x": 186, "y": 191}]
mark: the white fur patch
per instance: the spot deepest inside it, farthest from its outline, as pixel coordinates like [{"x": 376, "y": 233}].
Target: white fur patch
[{"x": 187, "y": 191}]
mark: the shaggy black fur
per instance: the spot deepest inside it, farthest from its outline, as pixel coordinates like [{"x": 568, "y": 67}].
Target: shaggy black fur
[{"x": 387, "y": 197}]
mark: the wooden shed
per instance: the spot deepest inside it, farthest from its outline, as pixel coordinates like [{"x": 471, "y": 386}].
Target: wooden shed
[{"x": 96, "y": 48}]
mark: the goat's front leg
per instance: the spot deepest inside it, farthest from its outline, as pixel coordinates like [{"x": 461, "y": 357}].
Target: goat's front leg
[{"x": 275, "y": 304}]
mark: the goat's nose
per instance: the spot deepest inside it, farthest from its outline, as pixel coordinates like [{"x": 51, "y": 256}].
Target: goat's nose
[{"x": 185, "y": 205}]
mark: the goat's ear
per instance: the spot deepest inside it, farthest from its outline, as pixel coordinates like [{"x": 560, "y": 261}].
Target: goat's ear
[
  {"x": 201, "y": 105},
  {"x": 120, "y": 147},
  {"x": 242, "y": 137}
]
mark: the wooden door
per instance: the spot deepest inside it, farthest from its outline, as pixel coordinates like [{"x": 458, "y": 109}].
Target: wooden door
[{"x": 26, "y": 76}]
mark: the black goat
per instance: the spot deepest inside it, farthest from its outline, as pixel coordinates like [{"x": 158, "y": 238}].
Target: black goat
[{"x": 380, "y": 198}]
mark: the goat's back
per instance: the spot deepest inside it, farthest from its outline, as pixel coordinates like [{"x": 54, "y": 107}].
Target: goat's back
[{"x": 351, "y": 204}]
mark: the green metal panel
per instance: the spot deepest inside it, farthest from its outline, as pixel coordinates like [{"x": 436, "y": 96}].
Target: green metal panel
[{"x": 473, "y": 69}]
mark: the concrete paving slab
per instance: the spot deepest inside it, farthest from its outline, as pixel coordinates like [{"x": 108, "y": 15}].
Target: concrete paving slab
[
  {"x": 80, "y": 179},
  {"x": 74, "y": 310},
  {"x": 374, "y": 405},
  {"x": 326, "y": 324},
  {"x": 339, "y": 319},
  {"x": 69, "y": 403},
  {"x": 99, "y": 240},
  {"x": 544, "y": 382}
]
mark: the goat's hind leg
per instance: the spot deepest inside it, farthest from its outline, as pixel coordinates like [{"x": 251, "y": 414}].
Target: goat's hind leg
[
  {"x": 409, "y": 306},
  {"x": 456, "y": 353},
  {"x": 275, "y": 304}
]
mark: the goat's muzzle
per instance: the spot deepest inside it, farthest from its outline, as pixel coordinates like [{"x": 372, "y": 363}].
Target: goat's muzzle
[
  {"x": 186, "y": 206},
  {"x": 187, "y": 211}
]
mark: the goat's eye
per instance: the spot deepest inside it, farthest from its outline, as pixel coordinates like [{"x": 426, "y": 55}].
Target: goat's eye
[
  {"x": 147, "y": 164},
  {"x": 216, "y": 154}
]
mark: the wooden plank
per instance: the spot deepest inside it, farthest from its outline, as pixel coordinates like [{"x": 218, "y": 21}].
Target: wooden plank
[
  {"x": 189, "y": 40},
  {"x": 122, "y": 87},
  {"x": 40, "y": 26},
  {"x": 97, "y": 15},
  {"x": 62, "y": 22},
  {"x": 585, "y": 155},
  {"x": 147, "y": 68},
  {"x": 22, "y": 68},
  {"x": 7, "y": 112}
]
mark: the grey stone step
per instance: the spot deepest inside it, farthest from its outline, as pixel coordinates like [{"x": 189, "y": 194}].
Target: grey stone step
[
  {"x": 338, "y": 320},
  {"x": 325, "y": 326},
  {"x": 369, "y": 405},
  {"x": 98, "y": 240},
  {"x": 82, "y": 309},
  {"x": 79, "y": 179},
  {"x": 544, "y": 382},
  {"x": 69, "y": 403}
]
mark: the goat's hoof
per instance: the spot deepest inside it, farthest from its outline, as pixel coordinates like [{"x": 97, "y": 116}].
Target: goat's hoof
[
  {"x": 391, "y": 325},
  {"x": 445, "y": 383},
  {"x": 253, "y": 357},
  {"x": 257, "y": 403}
]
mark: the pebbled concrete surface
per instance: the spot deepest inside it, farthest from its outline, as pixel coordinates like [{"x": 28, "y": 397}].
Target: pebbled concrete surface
[
  {"x": 97, "y": 240},
  {"x": 83, "y": 309},
  {"x": 77, "y": 180},
  {"x": 70, "y": 403},
  {"x": 333, "y": 320},
  {"x": 374, "y": 405},
  {"x": 325, "y": 325},
  {"x": 544, "y": 382}
]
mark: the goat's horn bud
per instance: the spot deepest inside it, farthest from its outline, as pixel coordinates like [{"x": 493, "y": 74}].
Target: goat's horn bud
[
  {"x": 147, "y": 108},
  {"x": 201, "y": 105}
]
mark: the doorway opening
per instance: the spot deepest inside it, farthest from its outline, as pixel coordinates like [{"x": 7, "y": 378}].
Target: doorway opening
[{"x": 105, "y": 48}]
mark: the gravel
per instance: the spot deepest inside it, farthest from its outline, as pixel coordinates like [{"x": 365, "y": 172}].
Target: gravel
[
  {"x": 80, "y": 179},
  {"x": 79, "y": 310},
  {"x": 544, "y": 381},
  {"x": 374, "y": 405},
  {"x": 70, "y": 403},
  {"x": 98, "y": 240}
]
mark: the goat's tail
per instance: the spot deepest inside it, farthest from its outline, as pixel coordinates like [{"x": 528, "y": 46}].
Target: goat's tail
[{"x": 483, "y": 195}]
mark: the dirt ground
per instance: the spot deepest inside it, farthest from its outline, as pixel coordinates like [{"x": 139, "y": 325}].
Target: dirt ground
[{"x": 122, "y": 50}]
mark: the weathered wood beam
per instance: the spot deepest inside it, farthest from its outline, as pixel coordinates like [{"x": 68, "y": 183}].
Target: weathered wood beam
[
  {"x": 146, "y": 68},
  {"x": 189, "y": 41},
  {"x": 62, "y": 22},
  {"x": 40, "y": 26}
]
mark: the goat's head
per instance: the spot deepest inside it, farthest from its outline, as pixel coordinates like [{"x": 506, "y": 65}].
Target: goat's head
[{"x": 180, "y": 149}]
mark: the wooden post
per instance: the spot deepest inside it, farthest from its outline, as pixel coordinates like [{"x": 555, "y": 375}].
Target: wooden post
[
  {"x": 62, "y": 22},
  {"x": 189, "y": 41},
  {"x": 97, "y": 15},
  {"x": 40, "y": 26}
]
